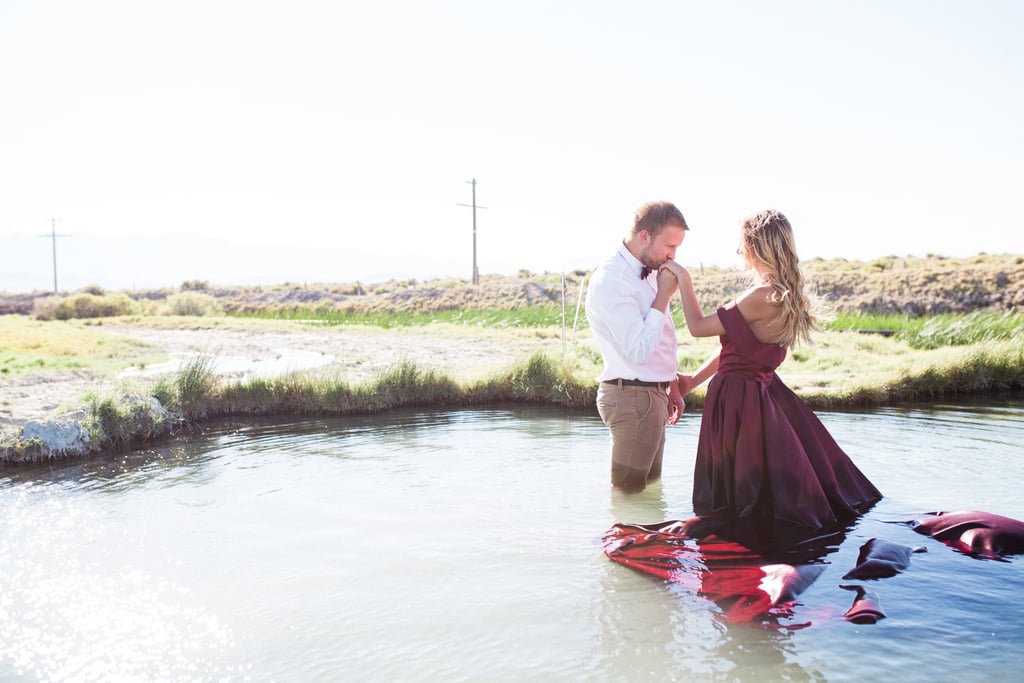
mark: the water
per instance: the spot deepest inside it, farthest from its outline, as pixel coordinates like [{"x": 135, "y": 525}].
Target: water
[{"x": 466, "y": 546}]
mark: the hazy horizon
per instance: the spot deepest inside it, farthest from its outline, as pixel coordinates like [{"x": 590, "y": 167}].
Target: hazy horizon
[
  {"x": 877, "y": 127},
  {"x": 153, "y": 262},
  {"x": 158, "y": 262}
]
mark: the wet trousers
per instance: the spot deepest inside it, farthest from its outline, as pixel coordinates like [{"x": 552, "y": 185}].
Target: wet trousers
[{"x": 636, "y": 417}]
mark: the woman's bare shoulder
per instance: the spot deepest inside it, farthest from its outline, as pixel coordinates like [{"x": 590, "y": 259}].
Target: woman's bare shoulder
[
  {"x": 761, "y": 313},
  {"x": 756, "y": 303}
]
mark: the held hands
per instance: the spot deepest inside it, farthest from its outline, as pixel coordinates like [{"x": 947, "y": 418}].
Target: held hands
[
  {"x": 684, "y": 384},
  {"x": 667, "y": 281},
  {"x": 676, "y": 404},
  {"x": 678, "y": 272}
]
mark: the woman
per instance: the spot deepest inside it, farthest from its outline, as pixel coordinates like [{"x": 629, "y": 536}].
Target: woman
[{"x": 762, "y": 453}]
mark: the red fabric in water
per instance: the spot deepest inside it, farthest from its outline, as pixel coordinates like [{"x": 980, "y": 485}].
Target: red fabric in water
[
  {"x": 741, "y": 581},
  {"x": 975, "y": 532}
]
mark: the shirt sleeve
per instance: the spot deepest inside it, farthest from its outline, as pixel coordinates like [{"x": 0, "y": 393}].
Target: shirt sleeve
[{"x": 614, "y": 310}]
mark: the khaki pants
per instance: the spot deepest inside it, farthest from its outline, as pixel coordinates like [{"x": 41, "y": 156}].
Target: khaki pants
[{"x": 636, "y": 417}]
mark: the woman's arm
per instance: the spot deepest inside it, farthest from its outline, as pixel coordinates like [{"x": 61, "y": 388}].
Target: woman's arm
[
  {"x": 697, "y": 323},
  {"x": 688, "y": 383}
]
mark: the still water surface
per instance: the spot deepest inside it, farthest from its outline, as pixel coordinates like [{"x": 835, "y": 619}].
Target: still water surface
[{"x": 466, "y": 546}]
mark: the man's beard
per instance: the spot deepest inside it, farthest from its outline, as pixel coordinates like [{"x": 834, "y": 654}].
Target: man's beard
[{"x": 649, "y": 262}]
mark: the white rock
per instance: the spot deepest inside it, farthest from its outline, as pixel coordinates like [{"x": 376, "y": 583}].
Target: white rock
[{"x": 62, "y": 435}]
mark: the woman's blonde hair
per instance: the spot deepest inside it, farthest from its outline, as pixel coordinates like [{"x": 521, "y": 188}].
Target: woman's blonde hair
[{"x": 767, "y": 238}]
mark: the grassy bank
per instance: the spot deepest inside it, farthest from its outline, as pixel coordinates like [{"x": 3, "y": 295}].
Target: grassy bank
[
  {"x": 839, "y": 375},
  {"x": 903, "y": 330},
  {"x": 936, "y": 331},
  {"x": 194, "y": 394},
  {"x": 843, "y": 370}
]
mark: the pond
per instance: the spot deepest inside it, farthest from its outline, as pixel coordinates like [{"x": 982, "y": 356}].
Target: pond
[{"x": 466, "y": 545}]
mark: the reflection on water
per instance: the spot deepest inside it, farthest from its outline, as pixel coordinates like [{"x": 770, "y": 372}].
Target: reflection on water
[
  {"x": 465, "y": 545},
  {"x": 93, "y": 615}
]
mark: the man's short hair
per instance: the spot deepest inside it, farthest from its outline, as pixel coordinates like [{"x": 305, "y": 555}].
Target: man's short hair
[{"x": 653, "y": 216}]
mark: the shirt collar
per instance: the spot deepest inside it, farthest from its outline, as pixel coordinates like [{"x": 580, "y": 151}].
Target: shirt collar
[{"x": 633, "y": 261}]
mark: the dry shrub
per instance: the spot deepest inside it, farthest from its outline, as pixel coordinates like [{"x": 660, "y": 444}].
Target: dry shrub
[
  {"x": 193, "y": 303},
  {"x": 83, "y": 305}
]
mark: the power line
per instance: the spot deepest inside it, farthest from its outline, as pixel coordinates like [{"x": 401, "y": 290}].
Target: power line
[
  {"x": 53, "y": 237},
  {"x": 476, "y": 273}
]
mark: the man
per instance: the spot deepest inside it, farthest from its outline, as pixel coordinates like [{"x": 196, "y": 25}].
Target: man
[{"x": 627, "y": 307}]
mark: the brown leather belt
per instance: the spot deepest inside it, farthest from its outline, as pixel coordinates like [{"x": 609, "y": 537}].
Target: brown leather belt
[{"x": 635, "y": 383}]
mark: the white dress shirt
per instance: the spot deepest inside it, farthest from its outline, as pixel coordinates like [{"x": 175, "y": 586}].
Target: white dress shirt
[{"x": 636, "y": 341}]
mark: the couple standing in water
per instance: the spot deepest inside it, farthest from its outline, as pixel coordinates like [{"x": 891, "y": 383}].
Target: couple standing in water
[{"x": 762, "y": 454}]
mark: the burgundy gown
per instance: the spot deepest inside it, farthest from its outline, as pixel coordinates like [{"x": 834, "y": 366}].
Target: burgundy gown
[{"x": 762, "y": 453}]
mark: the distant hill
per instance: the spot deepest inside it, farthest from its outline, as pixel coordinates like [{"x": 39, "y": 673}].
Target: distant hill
[{"x": 910, "y": 286}]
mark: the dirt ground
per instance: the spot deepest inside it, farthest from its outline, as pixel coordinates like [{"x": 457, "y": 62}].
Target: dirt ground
[{"x": 354, "y": 354}]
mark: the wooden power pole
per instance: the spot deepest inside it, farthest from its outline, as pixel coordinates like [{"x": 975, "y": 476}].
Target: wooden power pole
[
  {"x": 53, "y": 238},
  {"x": 476, "y": 272}
]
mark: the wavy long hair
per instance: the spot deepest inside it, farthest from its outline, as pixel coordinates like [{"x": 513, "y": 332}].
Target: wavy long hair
[{"x": 767, "y": 238}]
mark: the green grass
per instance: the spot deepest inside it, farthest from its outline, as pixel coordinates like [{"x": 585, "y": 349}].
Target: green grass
[
  {"x": 538, "y": 379},
  {"x": 533, "y": 316},
  {"x": 923, "y": 332},
  {"x": 36, "y": 346},
  {"x": 869, "y": 321},
  {"x": 843, "y": 370},
  {"x": 924, "y": 359},
  {"x": 937, "y": 331},
  {"x": 189, "y": 391},
  {"x": 962, "y": 330}
]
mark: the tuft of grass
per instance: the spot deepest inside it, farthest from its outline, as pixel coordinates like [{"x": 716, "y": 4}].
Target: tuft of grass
[
  {"x": 110, "y": 422},
  {"x": 540, "y": 379},
  {"x": 195, "y": 383},
  {"x": 407, "y": 385},
  {"x": 14, "y": 449},
  {"x": 295, "y": 394},
  {"x": 191, "y": 389},
  {"x": 402, "y": 385},
  {"x": 118, "y": 423}
]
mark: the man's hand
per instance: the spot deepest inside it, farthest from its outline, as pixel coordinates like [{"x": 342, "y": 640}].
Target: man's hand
[
  {"x": 667, "y": 281},
  {"x": 676, "y": 404}
]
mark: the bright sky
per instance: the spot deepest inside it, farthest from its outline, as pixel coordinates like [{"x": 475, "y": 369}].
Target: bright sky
[{"x": 878, "y": 127}]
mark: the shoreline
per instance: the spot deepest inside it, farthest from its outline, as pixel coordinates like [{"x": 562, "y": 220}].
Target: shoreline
[
  {"x": 361, "y": 370},
  {"x": 447, "y": 343},
  {"x": 352, "y": 354}
]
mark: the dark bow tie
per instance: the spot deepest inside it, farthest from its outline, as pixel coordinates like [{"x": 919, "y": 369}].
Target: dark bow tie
[{"x": 644, "y": 272}]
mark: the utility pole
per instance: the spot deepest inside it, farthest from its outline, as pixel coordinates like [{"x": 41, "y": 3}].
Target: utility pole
[
  {"x": 53, "y": 237},
  {"x": 476, "y": 273}
]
